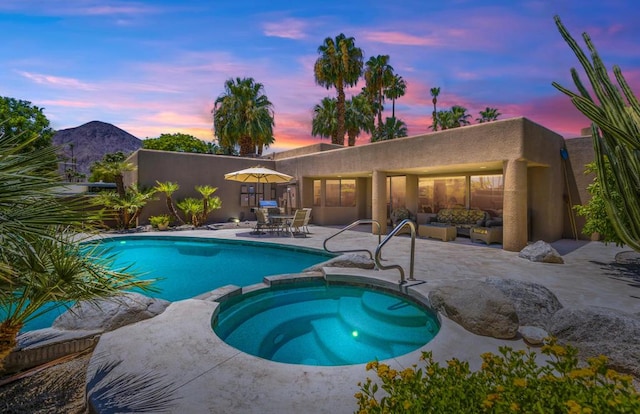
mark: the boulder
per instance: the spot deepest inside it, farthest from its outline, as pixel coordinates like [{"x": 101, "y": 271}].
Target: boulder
[
  {"x": 534, "y": 303},
  {"x": 597, "y": 330},
  {"x": 541, "y": 252},
  {"x": 345, "y": 260},
  {"x": 478, "y": 307},
  {"x": 533, "y": 335},
  {"x": 109, "y": 314}
]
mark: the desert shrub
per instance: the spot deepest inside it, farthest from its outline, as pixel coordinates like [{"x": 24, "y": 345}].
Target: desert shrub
[{"x": 509, "y": 382}]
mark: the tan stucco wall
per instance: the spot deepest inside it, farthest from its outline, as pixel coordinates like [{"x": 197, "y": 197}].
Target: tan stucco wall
[
  {"x": 581, "y": 153},
  {"x": 189, "y": 170},
  {"x": 309, "y": 149},
  {"x": 472, "y": 149},
  {"x": 527, "y": 153}
]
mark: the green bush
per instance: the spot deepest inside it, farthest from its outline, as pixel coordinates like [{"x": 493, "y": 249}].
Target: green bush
[{"x": 510, "y": 382}]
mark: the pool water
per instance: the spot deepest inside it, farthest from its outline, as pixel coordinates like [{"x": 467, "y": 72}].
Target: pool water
[
  {"x": 320, "y": 324},
  {"x": 191, "y": 266}
]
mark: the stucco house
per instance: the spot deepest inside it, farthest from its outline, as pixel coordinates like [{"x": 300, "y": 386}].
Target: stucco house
[{"x": 513, "y": 169}]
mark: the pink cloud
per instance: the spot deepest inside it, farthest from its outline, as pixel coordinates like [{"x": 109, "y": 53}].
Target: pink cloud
[
  {"x": 398, "y": 38},
  {"x": 287, "y": 28},
  {"x": 68, "y": 103},
  {"x": 77, "y": 7},
  {"x": 57, "y": 81}
]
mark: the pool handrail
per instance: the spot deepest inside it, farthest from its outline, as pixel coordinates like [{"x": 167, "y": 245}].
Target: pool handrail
[
  {"x": 350, "y": 226},
  {"x": 378, "y": 255}
]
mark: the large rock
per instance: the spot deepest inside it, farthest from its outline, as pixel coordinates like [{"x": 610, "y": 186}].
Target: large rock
[
  {"x": 479, "y": 307},
  {"x": 541, "y": 252},
  {"x": 109, "y": 314},
  {"x": 534, "y": 303},
  {"x": 345, "y": 260},
  {"x": 596, "y": 330}
]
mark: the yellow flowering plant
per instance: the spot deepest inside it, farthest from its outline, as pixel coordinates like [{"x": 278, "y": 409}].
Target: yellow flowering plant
[{"x": 512, "y": 381}]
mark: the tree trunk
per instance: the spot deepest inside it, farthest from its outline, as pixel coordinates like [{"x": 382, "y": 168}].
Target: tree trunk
[
  {"x": 173, "y": 210},
  {"x": 119, "y": 179},
  {"x": 246, "y": 147},
  {"x": 352, "y": 139},
  {"x": 340, "y": 104},
  {"x": 8, "y": 333}
]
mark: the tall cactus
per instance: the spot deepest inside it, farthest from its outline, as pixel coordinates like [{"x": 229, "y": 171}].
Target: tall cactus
[{"x": 616, "y": 136}]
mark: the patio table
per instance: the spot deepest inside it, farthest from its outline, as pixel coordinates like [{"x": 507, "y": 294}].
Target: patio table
[
  {"x": 444, "y": 233},
  {"x": 280, "y": 220}
]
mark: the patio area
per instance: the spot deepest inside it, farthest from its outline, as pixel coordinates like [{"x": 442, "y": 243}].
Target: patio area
[{"x": 199, "y": 373}]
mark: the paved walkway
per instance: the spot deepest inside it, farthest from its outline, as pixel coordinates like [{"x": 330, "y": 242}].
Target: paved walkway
[{"x": 193, "y": 371}]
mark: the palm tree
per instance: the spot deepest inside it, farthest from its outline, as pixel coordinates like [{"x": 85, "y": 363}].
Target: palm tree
[
  {"x": 379, "y": 76},
  {"x": 192, "y": 208},
  {"x": 112, "y": 170},
  {"x": 445, "y": 119},
  {"x": 395, "y": 90},
  {"x": 460, "y": 116},
  {"x": 325, "y": 120},
  {"x": 40, "y": 259},
  {"x": 359, "y": 117},
  {"x": 243, "y": 115},
  {"x": 390, "y": 129},
  {"x": 434, "y": 93},
  {"x": 488, "y": 115},
  {"x": 168, "y": 188},
  {"x": 339, "y": 66},
  {"x": 208, "y": 202},
  {"x": 126, "y": 208}
]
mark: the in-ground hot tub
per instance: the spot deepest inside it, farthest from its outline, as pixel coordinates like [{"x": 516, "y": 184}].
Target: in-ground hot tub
[{"x": 315, "y": 323}]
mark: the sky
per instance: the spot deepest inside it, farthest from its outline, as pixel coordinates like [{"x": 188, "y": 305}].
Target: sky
[{"x": 153, "y": 67}]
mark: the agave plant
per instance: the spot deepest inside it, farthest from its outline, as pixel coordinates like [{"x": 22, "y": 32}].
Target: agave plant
[
  {"x": 615, "y": 118},
  {"x": 40, "y": 259}
]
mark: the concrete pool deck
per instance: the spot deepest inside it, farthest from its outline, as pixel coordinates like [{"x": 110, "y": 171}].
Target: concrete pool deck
[{"x": 188, "y": 369}]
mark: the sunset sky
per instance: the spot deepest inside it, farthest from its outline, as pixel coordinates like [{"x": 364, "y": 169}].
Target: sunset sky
[{"x": 152, "y": 67}]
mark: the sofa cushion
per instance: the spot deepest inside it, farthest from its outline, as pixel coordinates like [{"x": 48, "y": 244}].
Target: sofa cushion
[{"x": 458, "y": 216}]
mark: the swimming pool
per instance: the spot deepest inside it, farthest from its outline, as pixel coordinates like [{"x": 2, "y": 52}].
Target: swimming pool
[
  {"x": 190, "y": 266},
  {"x": 324, "y": 324}
]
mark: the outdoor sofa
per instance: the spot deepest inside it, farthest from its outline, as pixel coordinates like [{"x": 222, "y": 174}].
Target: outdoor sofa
[{"x": 464, "y": 220}]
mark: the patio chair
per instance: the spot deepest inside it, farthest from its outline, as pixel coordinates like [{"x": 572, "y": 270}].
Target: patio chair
[
  {"x": 307, "y": 218},
  {"x": 296, "y": 225},
  {"x": 262, "y": 222}
]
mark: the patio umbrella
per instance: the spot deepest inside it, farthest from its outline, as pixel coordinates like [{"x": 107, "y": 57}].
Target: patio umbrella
[{"x": 258, "y": 175}]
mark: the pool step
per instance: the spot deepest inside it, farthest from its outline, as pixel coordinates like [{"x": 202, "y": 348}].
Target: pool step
[
  {"x": 266, "y": 302},
  {"x": 357, "y": 318},
  {"x": 393, "y": 309},
  {"x": 250, "y": 339}
]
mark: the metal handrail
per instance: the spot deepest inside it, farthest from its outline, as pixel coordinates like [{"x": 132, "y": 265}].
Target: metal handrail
[
  {"x": 350, "y": 226},
  {"x": 378, "y": 254}
]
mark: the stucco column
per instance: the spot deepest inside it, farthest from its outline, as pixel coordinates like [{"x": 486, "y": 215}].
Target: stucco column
[
  {"x": 411, "y": 193},
  {"x": 379, "y": 201},
  {"x": 515, "y": 205}
]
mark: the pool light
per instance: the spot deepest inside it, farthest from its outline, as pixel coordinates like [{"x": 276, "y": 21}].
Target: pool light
[{"x": 354, "y": 334}]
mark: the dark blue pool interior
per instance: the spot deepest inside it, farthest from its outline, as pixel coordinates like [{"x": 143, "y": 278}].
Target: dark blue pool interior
[
  {"x": 324, "y": 324},
  {"x": 189, "y": 266}
]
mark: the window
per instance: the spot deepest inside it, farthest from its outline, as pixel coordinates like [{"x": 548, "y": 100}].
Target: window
[
  {"x": 435, "y": 194},
  {"x": 396, "y": 192},
  {"x": 487, "y": 193},
  {"x": 249, "y": 197},
  {"x": 340, "y": 193},
  {"x": 317, "y": 186}
]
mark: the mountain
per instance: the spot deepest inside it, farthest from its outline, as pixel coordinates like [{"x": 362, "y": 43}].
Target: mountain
[{"x": 91, "y": 142}]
